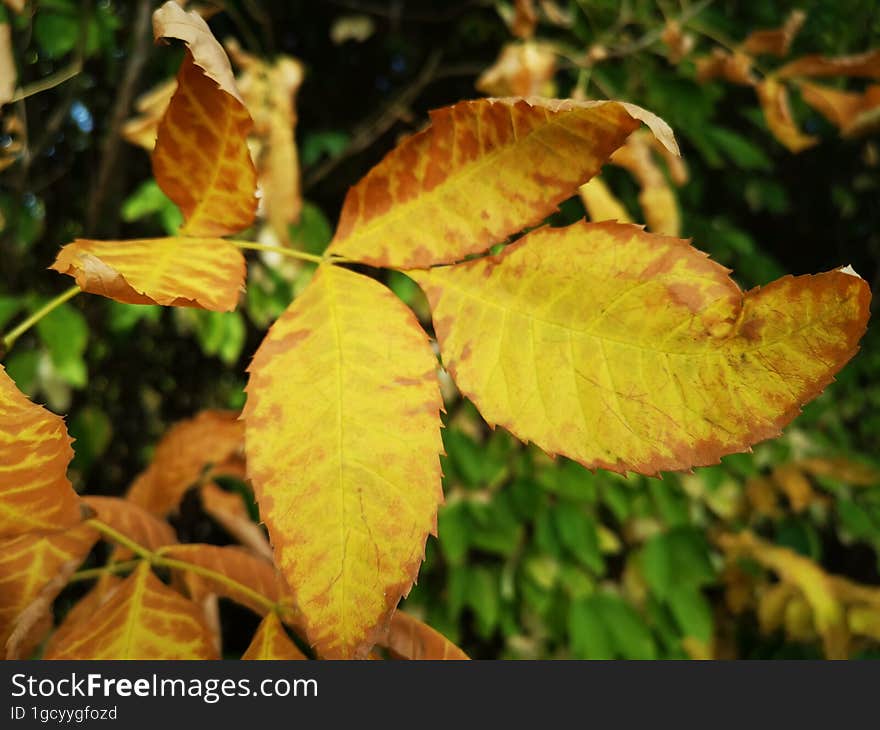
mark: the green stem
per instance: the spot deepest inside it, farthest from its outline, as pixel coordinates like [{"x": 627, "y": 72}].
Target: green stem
[
  {"x": 291, "y": 252},
  {"x": 91, "y": 573},
  {"x": 121, "y": 539},
  {"x": 10, "y": 337}
]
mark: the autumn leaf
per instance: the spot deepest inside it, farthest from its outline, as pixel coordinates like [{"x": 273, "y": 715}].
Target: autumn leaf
[
  {"x": 849, "y": 111},
  {"x": 600, "y": 202},
  {"x": 521, "y": 69},
  {"x": 482, "y": 171},
  {"x": 141, "y": 130},
  {"x": 83, "y": 612},
  {"x": 180, "y": 272},
  {"x": 679, "y": 43},
  {"x": 409, "y": 638},
  {"x": 775, "y": 41},
  {"x": 132, "y": 521},
  {"x": 342, "y": 439},
  {"x": 272, "y": 642},
  {"x": 28, "y": 563},
  {"x": 142, "y": 619},
  {"x": 8, "y": 72},
  {"x": 525, "y": 18},
  {"x": 865, "y": 65},
  {"x": 230, "y": 511},
  {"x": 201, "y": 159},
  {"x": 733, "y": 67},
  {"x": 773, "y": 96},
  {"x": 181, "y": 457},
  {"x": 256, "y": 574},
  {"x": 269, "y": 91},
  {"x": 666, "y": 365},
  {"x": 35, "y": 493}
]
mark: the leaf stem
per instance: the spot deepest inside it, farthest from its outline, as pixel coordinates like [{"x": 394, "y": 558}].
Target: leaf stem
[
  {"x": 291, "y": 252},
  {"x": 10, "y": 337},
  {"x": 91, "y": 573},
  {"x": 156, "y": 558}
]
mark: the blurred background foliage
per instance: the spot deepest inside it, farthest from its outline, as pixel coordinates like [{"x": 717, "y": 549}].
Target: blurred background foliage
[{"x": 770, "y": 554}]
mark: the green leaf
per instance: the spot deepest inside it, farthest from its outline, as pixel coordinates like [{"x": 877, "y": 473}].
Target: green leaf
[
  {"x": 9, "y": 307},
  {"x": 577, "y": 532},
  {"x": 631, "y": 636},
  {"x": 453, "y": 529},
  {"x": 92, "y": 431},
  {"x": 65, "y": 333},
  {"x": 589, "y": 637},
  {"x": 312, "y": 232},
  {"x": 692, "y": 612}
]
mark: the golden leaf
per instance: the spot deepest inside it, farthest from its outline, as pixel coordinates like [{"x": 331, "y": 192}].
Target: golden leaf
[
  {"x": 666, "y": 364},
  {"x": 209, "y": 438},
  {"x": 142, "y": 619},
  {"x": 600, "y": 202},
  {"x": 482, "y": 171},
  {"x": 141, "y": 130},
  {"x": 83, "y": 612},
  {"x": 35, "y": 493},
  {"x": 733, "y": 67},
  {"x": 773, "y": 96},
  {"x": 272, "y": 642},
  {"x": 180, "y": 272},
  {"x": 409, "y": 638},
  {"x": 525, "y": 19},
  {"x": 348, "y": 504},
  {"x": 679, "y": 43},
  {"x": 201, "y": 159},
  {"x": 775, "y": 41},
  {"x": 28, "y": 564}
]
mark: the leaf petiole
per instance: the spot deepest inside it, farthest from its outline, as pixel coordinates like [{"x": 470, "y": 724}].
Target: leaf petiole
[
  {"x": 10, "y": 337},
  {"x": 283, "y": 251}
]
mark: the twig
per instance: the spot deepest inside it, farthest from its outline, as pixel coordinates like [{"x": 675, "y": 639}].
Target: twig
[
  {"x": 369, "y": 132},
  {"x": 137, "y": 58},
  {"x": 10, "y": 337}
]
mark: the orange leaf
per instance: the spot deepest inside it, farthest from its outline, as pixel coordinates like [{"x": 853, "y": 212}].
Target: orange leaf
[
  {"x": 132, "y": 521},
  {"x": 201, "y": 160},
  {"x": 773, "y": 96},
  {"x": 209, "y": 438},
  {"x": 862, "y": 65},
  {"x": 342, "y": 439},
  {"x": 838, "y": 107},
  {"x": 142, "y": 619},
  {"x": 521, "y": 69},
  {"x": 735, "y": 68},
  {"x": 272, "y": 642},
  {"x": 482, "y": 171},
  {"x": 28, "y": 564},
  {"x": 35, "y": 493},
  {"x": 242, "y": 566},
  {"x": 666, "y": 365},
  {"x": 83, "y": 612},
  {"x": 179, "y": 272},
  {"x": 525, "y": 18},
  {"x": 775, "y": 41},
  {"x": 409, "y": 638},
  {"x": 141, "y": 130}
]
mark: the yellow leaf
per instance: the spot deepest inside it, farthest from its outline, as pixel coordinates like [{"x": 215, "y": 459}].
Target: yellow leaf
[
  {"x": 201, "y": 159},
  {"x": 631, "y": 351},
  {"x": 229, "y": 510},
  {"x": 141, "y": 130},
  {"x": 35, "y": 493},
  {"x": 142, "y": 619},
  {"x": 775, "y": 41},
  {"x": 409, "y": 638},
  {"x": 209, "y": 438},
  {"x": 28, "y": 564},
  {"x": 257, "y": 574},
  {"x": 816, "y": 586},
  {"x": 521, "y": 69},
  {"x": 272, "y": 642},
  {"x": 342, "y": 438},
  {"x": 482, "y": 171},
  {"x": 846, "y": 470},
  {"x": 773, "y": 96},
  {"x": 865, "y": 65},
  {"x": 132, "y": 521},
  {"x": 600, "y": 202},
  {"x": 179, "y": 272}
]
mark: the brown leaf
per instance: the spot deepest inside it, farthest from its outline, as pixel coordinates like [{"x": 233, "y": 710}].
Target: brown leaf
[
  {"x": 141, "y": 130},
  {"x": 409, "y": 638},
  {"x": 525, "y": 19},
  {"x": 230, "y": 511},
  {"x": 861, "y": 65},
  {"x": 211, "y": 437},
  {"x": 775, "y": 41},
  {"x": 132, "y": 521},
  {"x": 838, "y": 107},
  {"x": 773, "y": 96},
  {"x": 735, "y": 68},
  {"x": 8, "y": 72},
  {"x": 680, "y": 44}
]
